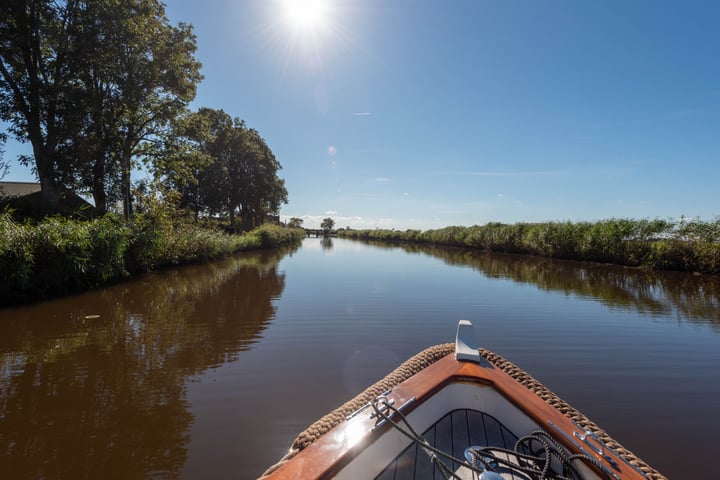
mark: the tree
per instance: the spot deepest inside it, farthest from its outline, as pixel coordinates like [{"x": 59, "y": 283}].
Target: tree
[
  {"x": 186, "y": 158},
  {"x": 239, "y": 176},
  {"x": 295, "y": 222},
  {"x": 261, "y": 191},
  {"x": 91, "y": 85},
  {"x": 35, "y": 77},
  {"x": 4, "y": 166},
  {"x": 327, "y": 224}
]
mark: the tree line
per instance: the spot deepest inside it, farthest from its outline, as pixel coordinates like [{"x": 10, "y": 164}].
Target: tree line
[{"x": 101, "y": 87}]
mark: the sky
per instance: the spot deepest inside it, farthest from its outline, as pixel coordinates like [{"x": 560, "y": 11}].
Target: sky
[{"x": 427, "y": 113}]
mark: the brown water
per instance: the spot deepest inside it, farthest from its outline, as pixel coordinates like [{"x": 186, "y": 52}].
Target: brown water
[{"x": 210, "y": 371}]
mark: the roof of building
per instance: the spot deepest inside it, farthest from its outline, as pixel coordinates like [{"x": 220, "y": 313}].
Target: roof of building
[
  {"x": 26, "y": 200},
  {"x": 18, "y": 189}
]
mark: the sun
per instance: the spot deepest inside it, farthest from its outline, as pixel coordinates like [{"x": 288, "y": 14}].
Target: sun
[{"x": 306, "y": 14}]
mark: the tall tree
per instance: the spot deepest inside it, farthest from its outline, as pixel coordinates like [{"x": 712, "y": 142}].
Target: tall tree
[
  {"x": 160, "y": 77},
  {"x": 240, "y": 177},
  {"x": 91, "y": 84},
  {"x": 327, "y": 224},
  {"x": 184, "y": 158},
  {"x": 253, "y": 187},
  {"x": 4, "y": 167},
  {"x": 295, "y": 222},
  {"x": 35, "y": 75}
]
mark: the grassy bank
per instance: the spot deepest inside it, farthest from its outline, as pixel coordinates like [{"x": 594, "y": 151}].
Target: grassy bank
[
  {"x": 58, "y": 256},
  {"x": 689, "y": 246}
]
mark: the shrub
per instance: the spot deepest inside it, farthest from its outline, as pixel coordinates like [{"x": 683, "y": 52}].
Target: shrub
[
  {"x": 16, "y": 259},
  {"x": 58, "y": 255},
  {"x": 686, "y": 245}
]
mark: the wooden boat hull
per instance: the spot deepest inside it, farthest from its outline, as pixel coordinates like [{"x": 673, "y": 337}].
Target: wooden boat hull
[{"x": 363, "y": 446}]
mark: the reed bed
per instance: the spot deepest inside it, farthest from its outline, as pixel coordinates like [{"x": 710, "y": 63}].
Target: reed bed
[
  {"x": 684, "y": 245},
  {"x": 60, "y": 256}
]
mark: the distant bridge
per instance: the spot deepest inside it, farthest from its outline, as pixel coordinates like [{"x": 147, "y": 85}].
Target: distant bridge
[{"x": 317, "y": 232}]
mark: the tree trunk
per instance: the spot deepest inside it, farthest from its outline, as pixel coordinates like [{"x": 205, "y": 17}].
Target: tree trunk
[
  {"x": 125, "y": 166},
  {"x": 46, "y": 173},
  {"x": 50, "y": 192},
  {"x": 98, "y": 186},
  {"x": 247, "y": 220},
  {"x": 125, "y": 188},
  {"x": 232, "y": 220}
]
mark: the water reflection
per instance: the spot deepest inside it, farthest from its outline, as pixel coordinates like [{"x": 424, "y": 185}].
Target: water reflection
[
  {"x": 93, "y": 386},
  {"x": 695, "y": 298},
  {"x": 327, "y": 243},
  {"x": 99, "y": 385}
]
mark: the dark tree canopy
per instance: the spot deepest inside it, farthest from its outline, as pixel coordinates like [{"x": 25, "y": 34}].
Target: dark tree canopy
[
  {"x": 92, "y": 86},
  {"x": 232, "y": 170},
  {"x": 327, "y": 224},
  {"x": 295, "y": 222}
]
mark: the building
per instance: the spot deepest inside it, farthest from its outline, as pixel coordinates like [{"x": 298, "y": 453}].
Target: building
[
  {"x": 25, "y": 200},
  {"x": 18, "y": 189}
]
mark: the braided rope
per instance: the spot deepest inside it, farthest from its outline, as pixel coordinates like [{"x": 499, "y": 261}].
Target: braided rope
[
  {"x": 566, "y": 409},
  {"x": 426, "y": 358},
  {"x": 406, "y": 370},
  {"x": 400, "y": 374}
]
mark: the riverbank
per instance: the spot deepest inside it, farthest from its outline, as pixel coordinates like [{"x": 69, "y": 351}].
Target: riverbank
[
  {"x": 58, "y": 256},
  {"x": 687, "y": 246}
]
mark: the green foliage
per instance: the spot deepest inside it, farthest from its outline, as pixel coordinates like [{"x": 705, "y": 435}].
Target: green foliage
[
  {"x": 16, "y": 258},
  {"x": 692, "y": 246},
  {"x": 91, "y": 85},
  {"x": 295, "y": 222},
  {"x": 108, "y": 238},
  {"x": 232, "y": 169},
  {"x": 150, "y": 231},
  {"x": 327, "y": 224},
  {"x": 272, "y": 236},
  {"x": 58, "y": 255}
]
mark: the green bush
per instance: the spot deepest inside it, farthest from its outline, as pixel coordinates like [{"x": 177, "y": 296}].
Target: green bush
[
  {"x": 109, "y": 239},
  {"x": 272, "y": 236},
  {"x": 58, "y": 255},
  {"x": 61, "y": 252},
  {"x": 16, "y": 259},
  {"x": 692, "y": 246}
]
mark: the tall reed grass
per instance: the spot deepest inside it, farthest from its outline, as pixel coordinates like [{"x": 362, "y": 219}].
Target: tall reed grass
[
  {"x": 58, "y": 256},
  {"x": 690, "y": 246}
]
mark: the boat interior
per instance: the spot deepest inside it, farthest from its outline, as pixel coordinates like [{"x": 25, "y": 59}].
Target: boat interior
[{"x": 462, "y": 415}]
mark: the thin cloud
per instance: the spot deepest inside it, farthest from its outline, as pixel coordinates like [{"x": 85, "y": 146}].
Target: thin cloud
[
  {"x": 361, "y": 114},
  {"x": 382, "y": 179}
]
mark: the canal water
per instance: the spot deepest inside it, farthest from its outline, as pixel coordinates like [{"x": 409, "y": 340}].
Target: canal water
[{"x": 209, "y": 372}]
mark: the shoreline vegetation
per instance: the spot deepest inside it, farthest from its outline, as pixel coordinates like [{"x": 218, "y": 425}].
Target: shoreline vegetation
[
  {"x": 685, "y": 245},
  {"x": 59, "y": 256}
]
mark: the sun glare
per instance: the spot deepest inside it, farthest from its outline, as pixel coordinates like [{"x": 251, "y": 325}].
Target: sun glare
[{"x": 306, "y": 14}]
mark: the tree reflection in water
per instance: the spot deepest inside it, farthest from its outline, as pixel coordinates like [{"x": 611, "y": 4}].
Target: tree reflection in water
[
  {"x": 93, "y": 386},
  {"x": 327, "y": 243},
  {"x": 695, "y": 298}
]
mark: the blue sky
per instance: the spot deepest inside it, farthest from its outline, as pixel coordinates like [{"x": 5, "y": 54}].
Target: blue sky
[{"x": 422, "y": 114}]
